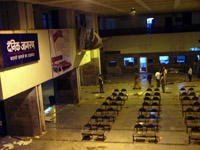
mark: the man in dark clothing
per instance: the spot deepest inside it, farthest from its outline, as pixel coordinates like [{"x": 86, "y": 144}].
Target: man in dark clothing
[
  {"x": 101, "y": 83},
  {"x": 149, "y": 77}
]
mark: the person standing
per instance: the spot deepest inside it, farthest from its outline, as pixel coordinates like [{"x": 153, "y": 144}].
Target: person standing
[
  {"x": 165, "y": 75},
  {"x": 162, "y": 81},
  {"x": 149, "y": 77},
  {"x": 101, "y": 83},
  {"x": 157, "y": 76},
  {"x": 136, "y": 81},
  {"x": 190, "y": 74}
]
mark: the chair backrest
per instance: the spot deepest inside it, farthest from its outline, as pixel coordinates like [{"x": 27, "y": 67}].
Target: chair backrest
[
  {"x": 192, "y": 94},
  {"x": 196, "y": 104},
  {"x": 190, "y": 118},
  {"x": 182, "y": 89},
  {"x": 109, "y": 98},
  {"x": 114, "y": 94},
  {"x": 156, "y": 98},
  {"x": 142, "y": 109},
  {"x": 186, "y": 98},
  {"x": 141, "y": 117},
  {"x": 105, "y": 104},
  {"x": 118, "y": 98},
  {"x": 156, "y": 89},
  {"x": 189, "y": 110},
  {"x": 191, "y": 89},
  {"x": 138, "y": 126},
  {"x": 121, "y": 94},
  {"x": 154, "y": 110},
  {"x": 145, "y": 104},
  {"x": 155, "y": 104},
  {"x": 124, "y": 91},
  {"x": 195, "y": 98},
  {"x": 153, "y": 117},
  {"x": 116, "y": 90},
  {"x": 196, "y": 129},
  {"x": 184, "y": 94},
  {"x": 147, "y": 98},
  {"x": 147, "y": 94},
  {"x": 157, "y": 94},
  {"x": 149, "y": 89},
  {"x": 113, "y": 104}
]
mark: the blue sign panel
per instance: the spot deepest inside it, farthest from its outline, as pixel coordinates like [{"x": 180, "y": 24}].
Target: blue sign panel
[{"x": 19, "y": 48}]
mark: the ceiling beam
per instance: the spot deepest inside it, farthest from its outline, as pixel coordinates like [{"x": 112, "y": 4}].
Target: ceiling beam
[
  {"x": 143, "y": 4},
  {"x": 177, "y": 3},
  {"x": 92, "y": 2}
]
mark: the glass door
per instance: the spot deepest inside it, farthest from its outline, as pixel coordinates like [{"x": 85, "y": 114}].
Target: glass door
[{"x": 143, "y": 64}]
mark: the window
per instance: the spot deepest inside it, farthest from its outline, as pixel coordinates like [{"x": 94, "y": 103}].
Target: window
[
  {"x": 1, "y": 26},
  {"x": 150, "y": 61},
  {"x": 110, "y": 23},
  {"x": 128, "y": 61},
  {"x": 78, "y": 22},
  {"x": 150, "y": 23},
  {"x": 195, "y": 49},
  {"x": 89, "y": 22},
  {"x": 45, "y": 21},
  {"x": 100, "y": 24},
  {"x": 180, "y": 59},
  {"x": 164, "y": 59},
  {"x": 198, "y": 58},
  {"x": 112, "y": 63}
]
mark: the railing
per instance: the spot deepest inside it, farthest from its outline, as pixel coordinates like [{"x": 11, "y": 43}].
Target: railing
[{"x": 137, "y": 31}]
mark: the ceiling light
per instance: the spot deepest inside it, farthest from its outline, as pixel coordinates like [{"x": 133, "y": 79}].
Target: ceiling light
[{"x": 133, "y": 10}]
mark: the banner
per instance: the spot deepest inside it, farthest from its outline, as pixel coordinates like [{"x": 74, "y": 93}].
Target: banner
[
  {"x": 18, "y": 49},
  {"x": 60, "y": 51}
]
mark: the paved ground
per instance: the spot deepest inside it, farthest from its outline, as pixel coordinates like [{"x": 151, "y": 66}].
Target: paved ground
[{"x": 66, "y": 121}]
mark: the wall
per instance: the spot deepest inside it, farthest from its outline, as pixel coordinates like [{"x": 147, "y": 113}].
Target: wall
[
  {"x": 150, "y": 46},
  {"x": 20, "y": 78},
  {"x": 152, "y": 43}
]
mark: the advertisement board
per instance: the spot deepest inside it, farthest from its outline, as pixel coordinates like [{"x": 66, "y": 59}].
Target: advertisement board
[
  {"x": 60, "y": 51},
  {"x": 17, "y": 49}
]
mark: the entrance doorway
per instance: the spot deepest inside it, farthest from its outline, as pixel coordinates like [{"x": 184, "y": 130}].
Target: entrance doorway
[{"x": 143, "y": 64}]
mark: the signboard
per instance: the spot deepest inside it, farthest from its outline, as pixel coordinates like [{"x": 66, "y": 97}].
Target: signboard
[
  {"x": 18, "y": 49},
  {"x": 60, "y": 51}
]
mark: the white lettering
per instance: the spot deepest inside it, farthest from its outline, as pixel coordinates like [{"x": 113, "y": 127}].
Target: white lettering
[
  {"x": 13, "y": 46},
  {"x": 21, "y": 56},
  {"x": 31, "y": 55},
  {"x": 13, "y": 58}
]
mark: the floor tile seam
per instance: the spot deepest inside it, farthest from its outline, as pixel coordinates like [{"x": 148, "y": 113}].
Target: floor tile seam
[{"x": 114, "y": 142}]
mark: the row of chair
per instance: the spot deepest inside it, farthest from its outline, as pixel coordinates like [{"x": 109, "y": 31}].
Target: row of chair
[
  {"x": 191, "y": 112},
  {"x": 104, "y": 117},
  {"x": 190, "y": 93},
  {"x": 147, "y": 125}
]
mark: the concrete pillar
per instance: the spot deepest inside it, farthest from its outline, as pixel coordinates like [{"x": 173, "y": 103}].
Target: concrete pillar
[
  {"x": 67, "y": 87},
  {"x": 25, "y": 114},
  {"x": 39, "y": 19},
  {"x": 91, "y": 70},
  {"x": 3, "y": 125},
  {"x": 17, "y": 16},
  {"x": 66, "y": 18}
]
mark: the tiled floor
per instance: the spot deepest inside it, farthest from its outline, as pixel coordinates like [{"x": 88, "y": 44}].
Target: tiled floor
[{"x": 66, "y": 121}]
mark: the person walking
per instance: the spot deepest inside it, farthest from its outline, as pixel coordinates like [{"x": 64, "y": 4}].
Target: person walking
[
  {"x": 190, "y": 74},
  {"x": 101, "y": 83},
  {"x": 165, "y": 75},
  {"x": 136, "y": 81},
  {"x": 149, "y": 77},
  {"x": 162, "y": 81}
]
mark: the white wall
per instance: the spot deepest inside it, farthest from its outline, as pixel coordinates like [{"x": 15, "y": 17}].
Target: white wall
[
  {"x": 152, "y": 43},
  {"x": 20, "y": 78}
]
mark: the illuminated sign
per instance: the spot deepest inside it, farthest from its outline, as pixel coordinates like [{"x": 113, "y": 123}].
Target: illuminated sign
[{"x": 18, "y": 49}]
